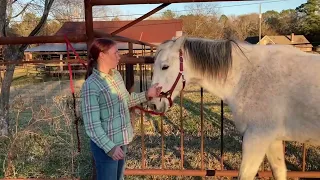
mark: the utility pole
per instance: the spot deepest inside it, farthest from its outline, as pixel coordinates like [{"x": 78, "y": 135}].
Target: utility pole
[{"x": 260, "y": 17}]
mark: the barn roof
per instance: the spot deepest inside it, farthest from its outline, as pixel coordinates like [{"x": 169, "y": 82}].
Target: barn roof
[{"x": 151, "y": 31}]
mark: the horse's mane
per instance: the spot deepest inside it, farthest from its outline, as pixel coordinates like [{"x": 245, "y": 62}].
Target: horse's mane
[{"x": 211, "y": 58}]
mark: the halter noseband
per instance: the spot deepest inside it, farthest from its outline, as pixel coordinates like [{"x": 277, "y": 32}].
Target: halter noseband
[{"x": 168, "y": 94}]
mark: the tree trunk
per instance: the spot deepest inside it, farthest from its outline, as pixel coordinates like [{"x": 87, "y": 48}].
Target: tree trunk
[
  {"x": 13, "y": 53},
  {"x": 5, "y": 89},
  {"x": 4, "y": 126}
]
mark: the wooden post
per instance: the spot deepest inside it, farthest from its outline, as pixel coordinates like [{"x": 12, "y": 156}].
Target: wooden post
[
  {"x": 89, "y": 21},
  {"x": 129, "y": 76},
  {"x": 151, "y": 51},
  {"x": 129, "y": 71},
  {"x": 151, "y": 54},
  {"x": 61, "y": 63}
]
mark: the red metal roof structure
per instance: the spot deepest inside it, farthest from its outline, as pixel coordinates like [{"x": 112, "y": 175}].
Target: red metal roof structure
[{"x": 151, "y": 31}]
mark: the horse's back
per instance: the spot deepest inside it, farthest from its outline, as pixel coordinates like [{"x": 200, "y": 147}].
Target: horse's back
[
  {"x": 299, "y": 74},
  {"x": 303, "y": 101},
  {"x": 284, "y": 90}
]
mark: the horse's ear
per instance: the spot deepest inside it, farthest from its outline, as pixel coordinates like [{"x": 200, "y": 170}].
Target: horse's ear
[{"x": 179, "y": 41}]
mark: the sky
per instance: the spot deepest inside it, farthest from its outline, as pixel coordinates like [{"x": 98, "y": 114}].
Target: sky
[{"x": 227, "y": 8}]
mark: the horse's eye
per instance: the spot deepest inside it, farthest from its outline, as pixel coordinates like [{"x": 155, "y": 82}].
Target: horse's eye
[{"x": 165, "y": 67}]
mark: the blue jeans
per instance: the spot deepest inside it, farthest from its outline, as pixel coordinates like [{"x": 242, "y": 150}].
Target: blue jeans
[{"x": 106, "y": 167}]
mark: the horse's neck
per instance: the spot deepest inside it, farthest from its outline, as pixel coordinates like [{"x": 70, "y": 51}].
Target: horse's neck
[
  {"x": 224, "y": 89},
  {"x": 219, "y": 89}
]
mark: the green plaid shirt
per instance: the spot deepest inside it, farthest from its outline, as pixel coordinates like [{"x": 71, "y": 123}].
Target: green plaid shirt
[{"x": 105, "y": 104}]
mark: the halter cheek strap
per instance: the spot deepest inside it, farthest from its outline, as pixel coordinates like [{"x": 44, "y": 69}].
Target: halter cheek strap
[{"x": 168, "y": 94}]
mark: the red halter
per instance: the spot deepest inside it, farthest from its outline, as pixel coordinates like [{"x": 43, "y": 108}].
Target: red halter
[{"x": 168, "y": 94}]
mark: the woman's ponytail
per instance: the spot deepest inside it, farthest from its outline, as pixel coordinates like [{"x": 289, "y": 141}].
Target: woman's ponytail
[{"x": 92, "y": 63}]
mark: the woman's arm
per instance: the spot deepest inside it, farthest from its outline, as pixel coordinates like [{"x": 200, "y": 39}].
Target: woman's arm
[
  {"x": 134, "y": 99},
  {"x": 91, "y": 117}
]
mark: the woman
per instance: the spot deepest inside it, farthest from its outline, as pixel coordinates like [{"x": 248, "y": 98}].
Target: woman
[{"x": 105, "y": 104}]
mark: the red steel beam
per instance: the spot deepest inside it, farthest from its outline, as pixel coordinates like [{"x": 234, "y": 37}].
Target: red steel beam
[
  {"x": 122, "y": 2},
  {"x": 167, "y": 172},
  {"x": 40, "y": 62},
  {"x": 88, "y": 21},
  {"x": 41, "y": 179},
  {"x": 162, "y": 144},
  {"x": 221, "y": 135},
  {"x": 60, "y": 39},
  {"x": 181, "y": 131},
  {"x": 101, "y": 34},
  {"x": 123, "y": 60},
  {"x": 202, "y": 129},
  {"x": 304, "y": 157},
  {"x": 143, "y": 146},
  {"x": 42, "y": 39},
  {"x": 217, "y": 173},
  {"x": 140, "y": 19}
]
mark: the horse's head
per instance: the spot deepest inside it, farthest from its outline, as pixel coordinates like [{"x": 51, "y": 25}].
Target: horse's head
[
  {"x": 190, "y": 59},
  {"x": 168, "y": 73}
]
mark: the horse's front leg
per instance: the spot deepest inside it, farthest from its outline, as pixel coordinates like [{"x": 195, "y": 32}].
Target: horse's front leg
[{"x": 254, "y": 146}]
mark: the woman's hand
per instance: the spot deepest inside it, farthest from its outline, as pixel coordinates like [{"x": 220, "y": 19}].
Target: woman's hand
[
  {"x": 154, "y": 91},
  {"x": 116, "y": 153}
]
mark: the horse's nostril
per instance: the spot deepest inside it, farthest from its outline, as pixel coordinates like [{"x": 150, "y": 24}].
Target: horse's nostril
[{"x": 154, "y": 106}]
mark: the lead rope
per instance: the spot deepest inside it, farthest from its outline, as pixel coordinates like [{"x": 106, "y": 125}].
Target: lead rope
[{"x": 77, "y": 118}]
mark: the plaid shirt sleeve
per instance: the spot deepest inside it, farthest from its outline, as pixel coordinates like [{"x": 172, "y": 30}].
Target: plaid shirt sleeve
[
  {"x": 133, "y": 98},
  {"x": 91, "y": 116}
]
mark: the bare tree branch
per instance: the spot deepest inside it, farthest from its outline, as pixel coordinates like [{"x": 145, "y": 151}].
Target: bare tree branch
[
  {"x": 14, "y": 1},
  {"x": 22, "y": 11},
  {"x": 36, "y": 30},
  {"x": 3, "y": 10}
]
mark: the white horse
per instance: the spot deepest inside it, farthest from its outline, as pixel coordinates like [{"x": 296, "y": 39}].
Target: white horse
[{"x": 273, "y": 92}]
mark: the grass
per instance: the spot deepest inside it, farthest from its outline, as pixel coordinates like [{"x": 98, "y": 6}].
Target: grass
[
  {"x": 22, "y": 78},
  {"x": 48, "y": 147}
]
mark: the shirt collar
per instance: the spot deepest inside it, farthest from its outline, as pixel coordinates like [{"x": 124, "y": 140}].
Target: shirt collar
[{"x": 102, "y": 74}]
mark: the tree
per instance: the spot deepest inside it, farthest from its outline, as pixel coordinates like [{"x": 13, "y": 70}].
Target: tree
[
  {"x": 68, "y": 10},
  {"x": 113, "y": 14},
  {"x": 29, "y": 21},
  {"x": 73, "y": 10},
  {"x": 116, "y": 18},
  {"x": 202, "y": 21},
  {"x": 223, "y": 19},
  {"x": 24, "y": 28},
  {"x": 225, "y": 23},
  {"x": 14, "y": 53},
  {"x": 288, "y": 22},
  {"x": 168, "y": 14},
  {"x": 272, "y": 19},
  {"x": 309, "y": 17},
  {"x": 248, "y": 25},
  {"x": 50, "y": 28}
]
